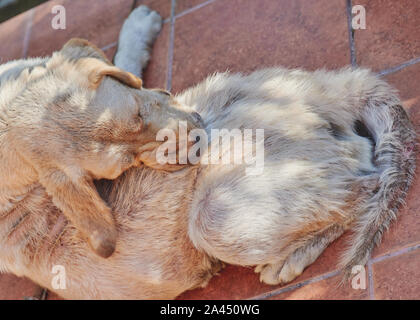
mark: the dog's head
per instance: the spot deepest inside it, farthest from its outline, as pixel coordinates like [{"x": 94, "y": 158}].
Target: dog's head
[
  {"x": 80, "y": 118},
  {"x": 97, "y": 117}
]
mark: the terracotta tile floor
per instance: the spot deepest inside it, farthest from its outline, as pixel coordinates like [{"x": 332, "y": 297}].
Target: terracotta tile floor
[{"x": 200, "y": 37}]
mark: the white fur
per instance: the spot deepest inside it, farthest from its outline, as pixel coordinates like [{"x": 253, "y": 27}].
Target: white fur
[{"x": 137, "y": 35}]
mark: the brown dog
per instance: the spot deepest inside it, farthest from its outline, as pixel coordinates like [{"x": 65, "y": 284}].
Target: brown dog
[{"x": 63, "y": 126}]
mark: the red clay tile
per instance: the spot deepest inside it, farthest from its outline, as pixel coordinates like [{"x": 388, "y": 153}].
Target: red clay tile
[
  {"x": 406, "y": 230},
  {"x": 14, "y": 288},
  {"x": 97, "y": 21},
  {"x": 391, "y": 35},
  {"x": 327, "y": 289},
  {"x": 406, "y": 81},
  {"x": 163, "y": 7},
  {"x": 233, "y": 283},
  {"x": 266, "y": 33},
  {"x": 182, "y": 5},
  {"x": 398, "y": 277},
  {"x": 12, "y": 35},
  {"x": 156, "y": 71}
]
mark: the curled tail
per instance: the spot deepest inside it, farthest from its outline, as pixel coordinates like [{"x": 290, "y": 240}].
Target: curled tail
[{"x": 395, "y": 158}]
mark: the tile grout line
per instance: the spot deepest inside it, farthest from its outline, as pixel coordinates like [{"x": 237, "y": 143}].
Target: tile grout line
[
  {"x": 399, "y": 67},
  {"x": 295, "y": 286},
  {"x": 134, "y": 5},
  {"x": 195, "y": 8},
  {"x": 370, "y": 279},
  {"x": 351, "y": 34},
  {"x": 171, "y": 47},
  {"x": 382, "y": 258},
  {"x": 109, "y": 46},
  {"x": 396, "y": 253},
  {"x": 28, "y": 31}
]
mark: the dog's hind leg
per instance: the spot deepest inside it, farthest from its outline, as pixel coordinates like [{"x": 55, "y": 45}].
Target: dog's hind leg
[
  {"x": 137, "y": 35},
  {"x": 293, "y": 266}
]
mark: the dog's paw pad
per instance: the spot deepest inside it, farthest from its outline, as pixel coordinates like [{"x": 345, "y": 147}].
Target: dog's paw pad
[
  {"x": 145, "y": 15},
  {"x": 141, "y": 10},
  {"x": 269, "y": 274},
  {"x": 141, "y": 13},
  {"x": 156, "y": 21},
  {"x": 289, "y": 272},
  {"x": 144, "y": 23},
  {"x": 274, "y": 274}
]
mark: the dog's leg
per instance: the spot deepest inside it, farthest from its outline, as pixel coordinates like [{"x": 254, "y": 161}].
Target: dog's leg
[
  {"x": 137, "y": 35},
  {"x": 293, "y": 266}
]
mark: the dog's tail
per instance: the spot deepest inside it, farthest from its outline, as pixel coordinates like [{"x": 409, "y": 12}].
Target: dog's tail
[{"x": 394, "y": 156}]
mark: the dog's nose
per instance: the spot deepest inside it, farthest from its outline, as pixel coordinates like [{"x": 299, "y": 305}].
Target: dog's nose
[{"x": 198, "y": 121}]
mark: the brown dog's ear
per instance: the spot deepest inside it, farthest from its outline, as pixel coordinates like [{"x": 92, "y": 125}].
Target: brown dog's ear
[
  {"x": 92, "y": 61},
  {"x": 96, "y": 70},
  {"x": 96, "y": 76},
  {"x": 77, "y": 48},
  {"x": 79, "y": 201}
]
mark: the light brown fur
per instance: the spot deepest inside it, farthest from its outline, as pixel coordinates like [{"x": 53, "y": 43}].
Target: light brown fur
[{"x": 61, "y": 128}]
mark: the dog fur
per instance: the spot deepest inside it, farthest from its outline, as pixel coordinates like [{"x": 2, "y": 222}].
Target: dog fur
[
  {"x": 62, "y": 125},
  {"x": 322, "y": 176}
]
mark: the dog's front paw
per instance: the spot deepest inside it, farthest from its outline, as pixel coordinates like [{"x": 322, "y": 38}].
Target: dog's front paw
[
  {"x": 145, "y": 22},
  {"x": 137, "y": 35}
]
